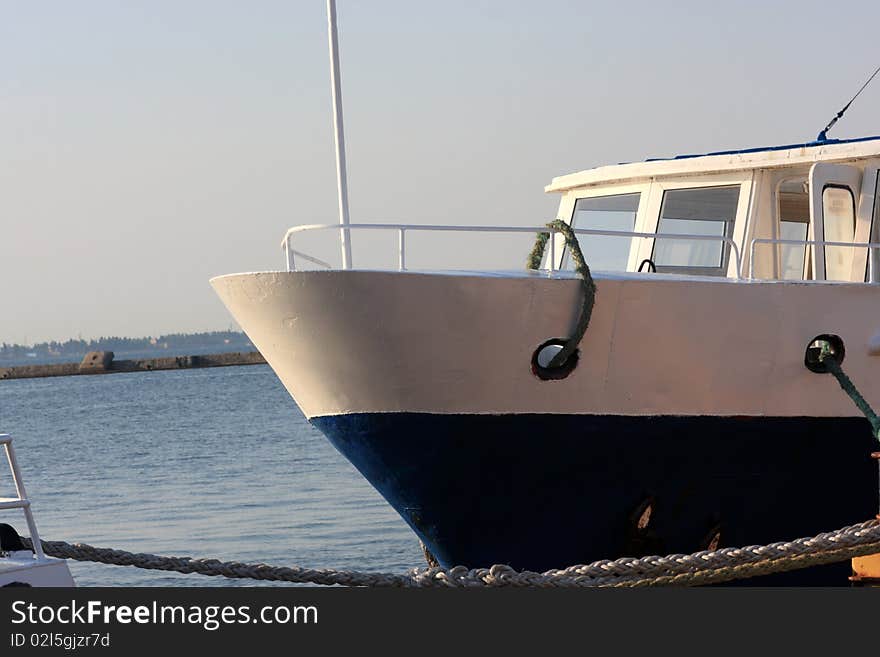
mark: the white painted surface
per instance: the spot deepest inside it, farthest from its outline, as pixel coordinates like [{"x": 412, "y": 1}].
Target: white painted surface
[
  {"x": 22, "y": 567},
  {"x": 715, "y": 164},
  {"x": 360, "y": 341},
  {"x": 822, "y": 176},
  {"x": 866, "y": 231}
]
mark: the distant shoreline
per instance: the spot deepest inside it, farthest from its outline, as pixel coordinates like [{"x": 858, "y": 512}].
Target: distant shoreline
[
  {"x": 103, "y": 362},
  {"x": 173, "y": 344}
]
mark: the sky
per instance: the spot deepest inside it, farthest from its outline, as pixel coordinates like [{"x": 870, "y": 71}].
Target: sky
[{"x": 146, "y": 146}]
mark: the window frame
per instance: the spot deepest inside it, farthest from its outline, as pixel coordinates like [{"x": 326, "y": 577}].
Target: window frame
[
  {"x": 873, "y": 264},
  {"x": 745, "y": 181},
  {"x": 570, "y": 199},
  {"x": 695, "y": 270},
  {"x": 571, "y": 222},
  {"x": 806, "y": 262},
  {"x": 855, "y": 219},
  {"x": 823, "y": 175}
]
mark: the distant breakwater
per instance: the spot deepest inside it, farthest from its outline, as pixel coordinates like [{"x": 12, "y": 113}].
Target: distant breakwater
[{"x": 102, "y": 362}]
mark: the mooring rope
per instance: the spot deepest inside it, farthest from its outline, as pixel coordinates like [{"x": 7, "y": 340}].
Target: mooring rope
[
  {"x": 587, "y": 284},
  {"x": 707, "y": 567},
  {"x": 537, "y": 254},
  {"x": 217, "y": 568},
  {"x": 827, "y": 358}
]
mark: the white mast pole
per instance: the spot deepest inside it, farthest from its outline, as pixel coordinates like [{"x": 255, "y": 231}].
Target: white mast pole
[{"x": 340, "y": 134}]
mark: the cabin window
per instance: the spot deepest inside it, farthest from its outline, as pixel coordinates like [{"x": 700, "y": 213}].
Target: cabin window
[
  {"x": 617, "y": 213},
  {"x": 839, "y": 215},
  {"x": 794, "y": 224},
  {"x": 873, "y": 263},
  {"x": 706, "y": 211}
]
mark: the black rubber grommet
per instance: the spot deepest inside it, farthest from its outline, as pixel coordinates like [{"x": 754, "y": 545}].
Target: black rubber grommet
[
  {"x": 554, "y": 373},
  {"x": 813, "y": 352}
]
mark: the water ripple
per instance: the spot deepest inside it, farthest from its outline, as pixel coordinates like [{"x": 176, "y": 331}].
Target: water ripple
[{"x": 213, "y": 463}]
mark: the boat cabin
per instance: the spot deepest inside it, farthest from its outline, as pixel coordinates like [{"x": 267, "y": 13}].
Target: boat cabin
[{"x": 806, "y": 212}]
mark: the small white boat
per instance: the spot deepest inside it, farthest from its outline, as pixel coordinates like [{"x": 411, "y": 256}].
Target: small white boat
[{"x": 19, "y": 565}]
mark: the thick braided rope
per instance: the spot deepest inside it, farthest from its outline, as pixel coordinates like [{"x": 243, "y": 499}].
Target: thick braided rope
[
  {"x": 851, "y": 390},
  {"x": 214, "y": 567},
  {"x": 533, "y": 261},
  {"x": 678, "y": 569},
  {"x": 587, "y": 284},
  {"x": 694, "y": 569}
]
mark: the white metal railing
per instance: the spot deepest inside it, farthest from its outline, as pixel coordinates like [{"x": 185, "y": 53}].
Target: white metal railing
[
  {"x": 21, "y": 500},
  {"x": 290, "y": 253},
  {"x": 805, "y": 243},
  {"x": 305, "y": 256}
]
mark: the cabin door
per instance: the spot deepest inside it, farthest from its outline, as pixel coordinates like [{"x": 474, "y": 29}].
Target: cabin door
[
  {"x": 834, "y": 195},
  {"x": 866, "y": 262}
]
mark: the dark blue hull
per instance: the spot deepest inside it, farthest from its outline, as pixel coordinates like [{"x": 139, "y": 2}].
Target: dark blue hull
[{"x": 549, "y": 491}]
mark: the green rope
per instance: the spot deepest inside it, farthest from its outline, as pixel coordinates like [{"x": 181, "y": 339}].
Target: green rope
[
  {"x": 826, "y": 357},
  {"x": 587, "y": 284},
  {"x": 537, "y": 254}
]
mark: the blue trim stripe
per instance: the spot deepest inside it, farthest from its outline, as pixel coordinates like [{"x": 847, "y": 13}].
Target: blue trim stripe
[{"x": 766, "y": 149}]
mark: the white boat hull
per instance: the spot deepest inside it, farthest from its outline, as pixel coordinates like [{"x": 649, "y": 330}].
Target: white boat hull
[{"x": 376, "y": 342}]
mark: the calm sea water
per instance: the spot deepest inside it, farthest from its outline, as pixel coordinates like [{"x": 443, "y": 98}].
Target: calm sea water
[{"x": 213, "y": 463}]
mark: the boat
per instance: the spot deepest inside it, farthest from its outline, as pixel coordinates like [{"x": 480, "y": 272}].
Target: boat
[
  {"x": 688, "y": 420},
  {"x": 696, "y": 410},
  {"x": 21, "y": 564}
]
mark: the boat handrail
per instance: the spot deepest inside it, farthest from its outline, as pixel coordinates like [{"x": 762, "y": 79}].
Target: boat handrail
[
  {"x": 402, "y": 229},
  {"x": 21, "y": 500},
  {"x": 772, "y": 240},
  {"x": 308, "y": 258}
]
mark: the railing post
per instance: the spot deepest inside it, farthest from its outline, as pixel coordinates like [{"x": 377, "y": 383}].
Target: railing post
[
  {"x": 752, "y": 260},
  {"x": 288, "y": 254},
  {"x": 401, "y": 253},
  {"x": 22, "y": 494},
  {"x": 552, "y": 266},
  {"x": 737, "y": 257}
]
